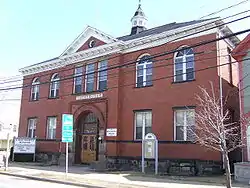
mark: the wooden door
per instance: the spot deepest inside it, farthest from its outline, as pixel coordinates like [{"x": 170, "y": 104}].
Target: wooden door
[{"x": 88, "y": 153}]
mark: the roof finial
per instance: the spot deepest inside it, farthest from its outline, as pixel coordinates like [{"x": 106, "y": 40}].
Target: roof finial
[{"x": 139, "y": 3}]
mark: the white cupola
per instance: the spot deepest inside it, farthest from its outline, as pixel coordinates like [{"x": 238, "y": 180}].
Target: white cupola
[{"x": 138, "y": 21}]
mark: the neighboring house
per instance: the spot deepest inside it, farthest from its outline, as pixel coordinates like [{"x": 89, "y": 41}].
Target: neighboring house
[
  {"x": 13, "y": 132},
  {"x": 151, "y": 95},
  {"x": 242, "y": 54}
]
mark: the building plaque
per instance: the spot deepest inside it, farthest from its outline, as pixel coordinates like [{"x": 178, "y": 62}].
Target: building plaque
[{"x": 89, "y": 96}]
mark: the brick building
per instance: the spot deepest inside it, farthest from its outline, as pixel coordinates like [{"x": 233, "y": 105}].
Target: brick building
[
  {"x": 242, "y": 54},
  {"x": 119, "y": 88}
]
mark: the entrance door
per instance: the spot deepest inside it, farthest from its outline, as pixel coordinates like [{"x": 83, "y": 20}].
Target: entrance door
[
  {"x": 88, "y": 148},
  {"x": 89, "y": 132}
]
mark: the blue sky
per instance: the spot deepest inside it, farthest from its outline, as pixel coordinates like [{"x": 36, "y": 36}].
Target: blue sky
[{"x": 34, "y": 31}]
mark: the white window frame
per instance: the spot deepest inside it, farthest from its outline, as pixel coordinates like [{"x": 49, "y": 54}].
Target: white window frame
[
  {"x": 35, "y": 89},
  {"x": 185, "y": 123},
  {"x": 99, "y": 69},
  {"x": 54, "y": 82},
  {"x": 144, "y": 70},
  {"x": 143, "y": 122},
  {"x": 184, "y": 64},
  {"x": 49, "y": 133},
  {"x": 31, "y": 127},
  {"x": 77, "y": 75},
  {"x": 86, "y": 76}
]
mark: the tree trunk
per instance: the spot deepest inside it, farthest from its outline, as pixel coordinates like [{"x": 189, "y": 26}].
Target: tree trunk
[{"x": 228, "y": 172}]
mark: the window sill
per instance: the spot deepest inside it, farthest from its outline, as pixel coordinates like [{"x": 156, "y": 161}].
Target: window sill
[
  {"x": 138, "y": 87},
  {"x": 179, "y": 82},
  {"x": 90, "y": 92},
  {"x": 31, "y": 100},
  {"x": 183, "y": 142}
]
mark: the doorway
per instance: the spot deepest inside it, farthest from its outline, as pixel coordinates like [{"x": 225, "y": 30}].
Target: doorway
[{"x": 88, "y": 138}]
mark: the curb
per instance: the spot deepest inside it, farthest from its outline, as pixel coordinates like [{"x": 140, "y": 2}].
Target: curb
[{"x": 67, "y": 182}]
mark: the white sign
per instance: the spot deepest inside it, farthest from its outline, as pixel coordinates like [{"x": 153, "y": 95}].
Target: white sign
[
  {"x": 24, "y": 145},
  {"x": 248, "y": 143},
  {"x": 111, "y": 132},
  {"x": 90, "y": 96}
]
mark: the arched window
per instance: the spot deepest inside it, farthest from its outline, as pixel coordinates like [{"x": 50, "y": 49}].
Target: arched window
[
  {"x": 35, "y": 89},
  {"x": 54, "y": 86},
  {"x": 144, "y": 71},
  {"x": 184, "y": 65}
]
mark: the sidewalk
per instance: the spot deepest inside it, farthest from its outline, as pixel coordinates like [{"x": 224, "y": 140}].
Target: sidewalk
[{"x": 83, "y": 176}]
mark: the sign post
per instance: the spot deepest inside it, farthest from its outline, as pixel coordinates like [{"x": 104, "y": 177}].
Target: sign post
[
  {"x": 150, "y": 150},
  {"x": 67, "y": 135}
]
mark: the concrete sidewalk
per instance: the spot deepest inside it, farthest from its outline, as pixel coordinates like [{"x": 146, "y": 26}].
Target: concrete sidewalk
[{"x": 83, "y": 176}]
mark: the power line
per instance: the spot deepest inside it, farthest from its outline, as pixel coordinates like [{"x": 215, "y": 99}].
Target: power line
[
  {"x": 221, "y": 10},
  {"x": 114, "y": 75},
  {"x": 124, "y": 65},
  {"x": 153, "y": 80},
  {"x": 29, "y": 77}
]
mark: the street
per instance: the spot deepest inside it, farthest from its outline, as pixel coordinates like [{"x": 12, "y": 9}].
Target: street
[{"x": 10, "y": 182}]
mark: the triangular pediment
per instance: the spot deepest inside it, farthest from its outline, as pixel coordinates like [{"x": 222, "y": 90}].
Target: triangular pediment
[{"x": 89, "y": 38}]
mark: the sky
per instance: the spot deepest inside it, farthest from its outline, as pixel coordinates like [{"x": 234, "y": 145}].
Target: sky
[{"x": 34, "y": 31}]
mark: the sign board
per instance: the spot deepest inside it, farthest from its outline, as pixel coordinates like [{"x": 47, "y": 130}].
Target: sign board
[
  {"x": 67, "y": 128},
  {"x": 24, "y": 145},
  {"x": 111, "y": 132},
  {"x": 90, "y": 96},
  {"x": 248, "y": 143}
]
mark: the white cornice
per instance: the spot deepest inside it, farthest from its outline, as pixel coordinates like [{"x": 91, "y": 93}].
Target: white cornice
[
  {"x": 84, "y": 36},
  {"x": 124, "y": 47}
]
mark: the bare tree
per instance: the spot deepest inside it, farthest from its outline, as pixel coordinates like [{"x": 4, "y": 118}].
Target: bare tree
[{"x": 214, "y": 128}]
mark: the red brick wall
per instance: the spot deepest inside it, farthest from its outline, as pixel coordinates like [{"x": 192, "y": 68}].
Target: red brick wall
[{"x": 161, "y": 97}]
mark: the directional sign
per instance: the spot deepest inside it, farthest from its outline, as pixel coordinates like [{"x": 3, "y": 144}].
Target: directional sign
[{"x": 67, "y": 128}]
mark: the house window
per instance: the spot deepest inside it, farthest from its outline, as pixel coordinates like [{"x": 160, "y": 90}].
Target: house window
[
  {"x": 35, "y": 89},
  {"x": 54, "y": 86},
  {"x": 90, "y": 77},
  {"x": 32, "y": 122},
  {"x": 144, "y": 71},
  {"x": 184, "y": 124},
  {"x": 51, "y": 128},
  {"x": 184, "y": 65},
  {"x": 78, "y": 80},
  {"x": 102, "y": 75},
  {"x": 143, "y": 123}
]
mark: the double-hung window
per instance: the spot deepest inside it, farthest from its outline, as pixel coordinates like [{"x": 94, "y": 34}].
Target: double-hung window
[
  {"x": 78, "y": 80},
  {"x": 54, "y": 86},
  {"x": 102, "y": 75},
  {"x": 90, "y": 77},
  {"x": 144, "y": 71},
  {"x": 184, "y": 65},
  {"x": 32, "y": 127},
  {"x": 143, "y": 123},
  {"x": 184, "y": 124},
  {"x": 35, "y": 89},
  {"x": 51, "y": 128}
]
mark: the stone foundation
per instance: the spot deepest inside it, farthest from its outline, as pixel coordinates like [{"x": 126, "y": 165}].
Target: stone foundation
[
  {"x": 54, "y": 158},
  {"x": 242, "y": 172},
  {"x": 171, "y": 167}
]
